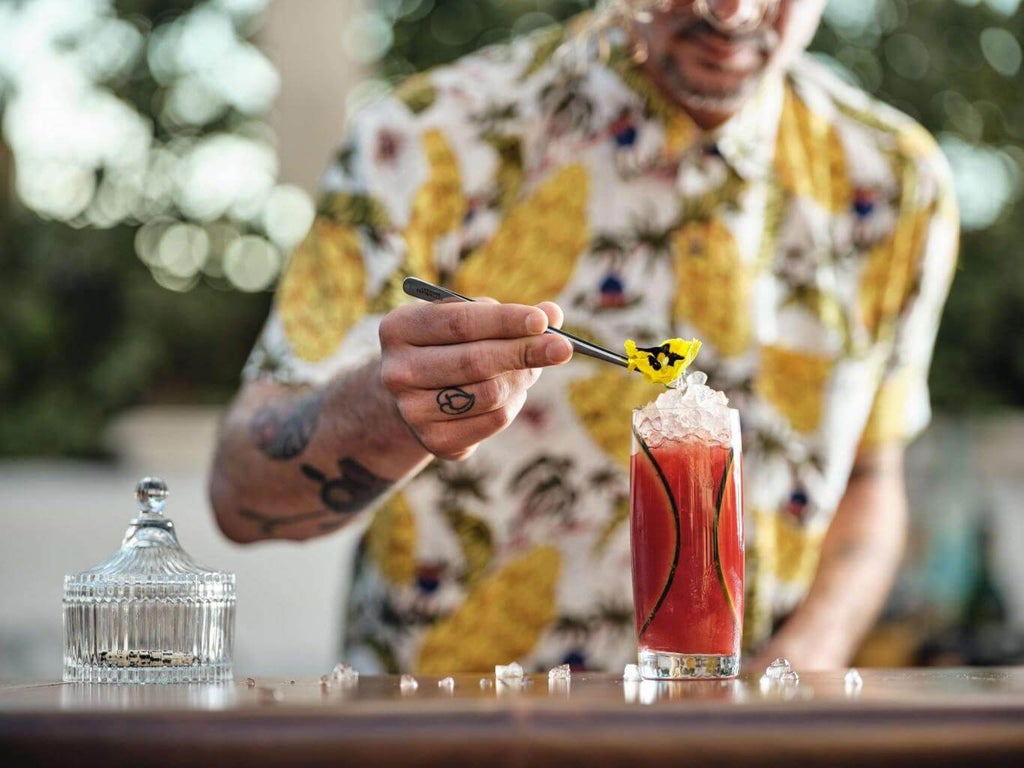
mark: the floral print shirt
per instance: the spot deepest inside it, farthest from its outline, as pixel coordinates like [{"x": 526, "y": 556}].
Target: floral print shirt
[{"x": 809, "y": 243}]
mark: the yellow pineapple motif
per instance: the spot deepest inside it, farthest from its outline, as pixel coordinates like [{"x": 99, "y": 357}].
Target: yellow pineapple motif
[
  {"x": 794, "y": 383},
  {"x": 809, "y": 157},
  {"x": 604, "y": 403},
  {"x": 790, "y": 550},
  {"x": 500, "y": 620},
  {"x": 438, "y": 208},
  {"x": 890, "y": 273},
  {"x": 534, "y": 253},
  {"x": 475, "y": 540},
  {"x": 618, "y": 517},
  {"x": 417, "y": 93},
  {"x": 391, "y": 541},
  {"x": 713, "y": 286},
  {"x": 888, "y": 413},
  {"x": 323, "y": 291}
]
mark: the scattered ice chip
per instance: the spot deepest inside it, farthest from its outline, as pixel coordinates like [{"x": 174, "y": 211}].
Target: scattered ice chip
[
  {"x": 344, "y": 672},
  {"x": 408, "y": 684},
  {"x": 631, "y": 674},
  {"x": 485, "y": 683},
  {"x": 852, "y": 681},
  {"x": 250, "y": 682},
  {"x": 561, "y": 672},
  {"x": 448, "y": 683},
  {"x": 513, "y": 671},
  {"x": 778, "y": 668},
  {"x": 789, "y": 677}
]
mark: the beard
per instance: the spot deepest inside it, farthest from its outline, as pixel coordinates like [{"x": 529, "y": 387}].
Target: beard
[{"x": 693, "y": 81}]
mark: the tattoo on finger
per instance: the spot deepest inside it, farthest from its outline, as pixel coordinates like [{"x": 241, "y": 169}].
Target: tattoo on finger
[{"x": 454, "y": 401}]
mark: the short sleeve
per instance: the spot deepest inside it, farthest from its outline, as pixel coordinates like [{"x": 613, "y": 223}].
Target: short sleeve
[{"x": 919, "y": 263}]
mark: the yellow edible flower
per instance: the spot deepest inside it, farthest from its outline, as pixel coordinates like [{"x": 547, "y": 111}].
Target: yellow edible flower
[{"x": 666, "y": 362}]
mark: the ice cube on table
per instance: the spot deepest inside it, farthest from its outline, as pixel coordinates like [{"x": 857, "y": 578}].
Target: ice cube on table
[
  {"x": 778, "y": 668},
  {"x": 408, "y": 683},
  {"x": 789, "y": 677},
  {"x": 448, "y": 683},
  {"x": 561, "y": 672},
  {"x": 852, "y": 681},
  {"x": 344, "y": 673},
  {"x": 513, "y": 671},
  {"x": 631, "y": 674},
  {"x": 485, "y": 683}
]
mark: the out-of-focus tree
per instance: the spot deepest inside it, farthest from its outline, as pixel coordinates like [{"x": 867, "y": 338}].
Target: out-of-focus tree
[{"x": 131, "y": 126}]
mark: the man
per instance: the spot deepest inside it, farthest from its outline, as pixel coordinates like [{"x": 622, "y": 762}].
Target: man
[{"x": 689, "y": 172}]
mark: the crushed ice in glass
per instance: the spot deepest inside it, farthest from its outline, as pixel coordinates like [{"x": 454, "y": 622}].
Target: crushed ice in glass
[
  {"x": 631, "y": 674},
  {"x": 561, "y": 672},
  {"x": 344, "y": 673},
  {"x": 852, "y": 681},
  {"x": 408, "y": 684},
  {"x": 694, "y": 409},
  {"x": 513, "y": 671},
  {"x": 448, "y": 683},
  {"x": 778, "y": 668}
]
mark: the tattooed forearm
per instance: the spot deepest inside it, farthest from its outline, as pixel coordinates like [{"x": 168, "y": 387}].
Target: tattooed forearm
[
  {"x": 455, "y": 402},
  {"x": 283, "y": 432},
  {"x": 352, "y": 490}
]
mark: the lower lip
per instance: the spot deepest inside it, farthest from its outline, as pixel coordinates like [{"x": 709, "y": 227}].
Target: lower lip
[{"x": 734, "y": 56}]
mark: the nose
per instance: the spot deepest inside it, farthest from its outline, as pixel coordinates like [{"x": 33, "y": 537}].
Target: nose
[{"x": 734, "y": 15}]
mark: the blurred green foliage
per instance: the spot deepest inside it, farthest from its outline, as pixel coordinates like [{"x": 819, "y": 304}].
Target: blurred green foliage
[{"x": 86, "y": 332}]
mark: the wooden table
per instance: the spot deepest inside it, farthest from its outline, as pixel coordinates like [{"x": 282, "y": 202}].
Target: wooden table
[{"x": 899, "y": 717}]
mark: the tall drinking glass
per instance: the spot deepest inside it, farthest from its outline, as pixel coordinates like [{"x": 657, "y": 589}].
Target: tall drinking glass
[{"x": 686, "y": 524}]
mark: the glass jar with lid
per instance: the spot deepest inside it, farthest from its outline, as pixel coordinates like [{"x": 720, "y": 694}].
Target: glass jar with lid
[{"x": 149, "y": 613}]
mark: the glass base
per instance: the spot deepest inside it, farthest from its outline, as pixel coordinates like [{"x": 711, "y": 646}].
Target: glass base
[
  {"x": 665, "y": 665},
  {"x": 195, "y": 673}
]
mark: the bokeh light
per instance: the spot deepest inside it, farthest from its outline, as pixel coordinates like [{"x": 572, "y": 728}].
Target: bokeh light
[{"x": 88, "y": 153}]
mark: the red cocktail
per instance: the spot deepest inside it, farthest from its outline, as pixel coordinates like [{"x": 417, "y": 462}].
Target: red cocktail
[{"x": 687, "y": 542}]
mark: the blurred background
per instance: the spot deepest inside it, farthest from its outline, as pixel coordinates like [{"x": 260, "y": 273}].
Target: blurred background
[{"x": 158, "y": 160}]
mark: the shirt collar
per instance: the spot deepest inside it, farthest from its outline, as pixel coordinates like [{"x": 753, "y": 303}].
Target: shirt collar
[{"x": 746, "y": 141}]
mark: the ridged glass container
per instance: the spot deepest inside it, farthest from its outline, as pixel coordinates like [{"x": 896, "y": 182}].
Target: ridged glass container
[{"x": 150, "y": 613}]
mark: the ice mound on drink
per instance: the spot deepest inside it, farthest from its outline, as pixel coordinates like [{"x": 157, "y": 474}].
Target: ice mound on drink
[{"x": 691, "y": 410}]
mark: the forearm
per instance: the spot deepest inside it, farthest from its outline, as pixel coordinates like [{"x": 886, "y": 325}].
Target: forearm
[
  {"x": 300, "y": 462},
  {"x": 860, "y": 556}
]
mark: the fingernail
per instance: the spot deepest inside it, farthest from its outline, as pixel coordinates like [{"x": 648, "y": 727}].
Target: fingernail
[
  {"x": 559, "y": 350},
  {"x": 536, "y": 323}
]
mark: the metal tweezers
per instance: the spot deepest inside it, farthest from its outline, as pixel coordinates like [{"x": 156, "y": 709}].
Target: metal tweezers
[{"x": 421, "y": 289}]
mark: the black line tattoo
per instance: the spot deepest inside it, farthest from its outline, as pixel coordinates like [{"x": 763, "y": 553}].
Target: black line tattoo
[
  {"x": 270, "y": 524},
  {"x": 454, "y": 401},
  {"x": 283, "y": 432},
  {"x": 351, "y": 491},
  {"x": 353, "y": 488}
]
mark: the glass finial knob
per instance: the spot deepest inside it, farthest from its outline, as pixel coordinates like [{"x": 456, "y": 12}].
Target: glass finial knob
[{"x": 151, "y": 493}]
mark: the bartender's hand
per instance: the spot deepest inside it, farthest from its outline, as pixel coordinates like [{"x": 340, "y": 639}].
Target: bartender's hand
[{"x": 459, "y": 371}]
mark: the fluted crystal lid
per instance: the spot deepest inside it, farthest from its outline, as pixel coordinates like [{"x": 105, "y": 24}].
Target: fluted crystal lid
[{"x": 150, "y": 562}]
